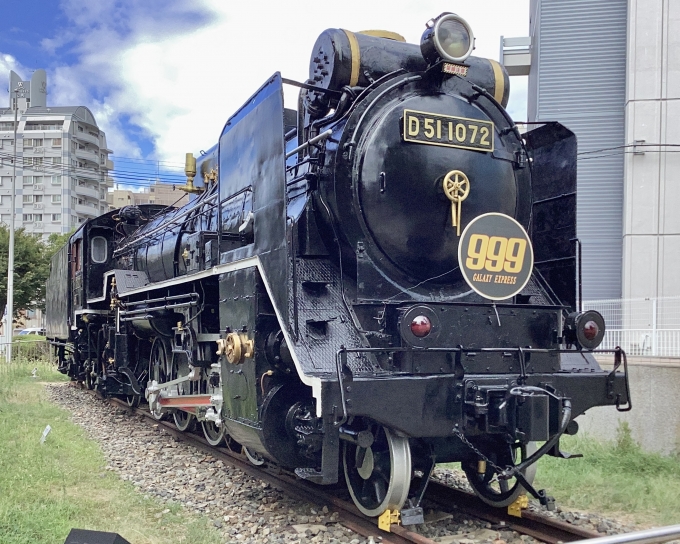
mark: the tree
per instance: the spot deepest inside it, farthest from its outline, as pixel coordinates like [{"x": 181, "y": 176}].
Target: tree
[{"x": 31, "y": 267}]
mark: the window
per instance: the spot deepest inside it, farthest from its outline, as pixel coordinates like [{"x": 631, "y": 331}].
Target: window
[
  {"x": 56, "y": 142},
  {"x": 7, "y": 125},
  {"x": 27, "y": 199},
  {"x": 98, "y": 249},
  {"x": 37, "y": 125},
  {"x": 56, "y": 180},
  {"x": 37, "y": 198},
  {"x": 6, "y": 144},
  {"x": 33, "y": 161},
  {"x": 56, "y": 218},
  {"x": 37, "y": 217},
  {"x": 37, "y": 180},
  {"x": 27, "y": 218},
  {"x": 28, "y": 180},
  {"x": 56, "y": 199},
  {"x": 6, "y": 180},
  {"x": 56, "y": 160},
  {"x": 74, "y": 201},
  {"x": 33, "y": 142},
  {"x": 80, "y": 129}
]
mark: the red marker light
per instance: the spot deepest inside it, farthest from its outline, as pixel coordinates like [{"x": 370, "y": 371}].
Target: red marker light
[
  {"x": 421, "y": 326},
  {"x": 590, "y": 330}
]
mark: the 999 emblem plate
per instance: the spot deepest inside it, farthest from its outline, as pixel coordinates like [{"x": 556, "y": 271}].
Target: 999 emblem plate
[{"x": 495, "y": 256}]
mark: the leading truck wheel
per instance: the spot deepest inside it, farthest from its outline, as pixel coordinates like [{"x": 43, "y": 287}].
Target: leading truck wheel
[
  {"x": 484, "y": 478},
  {"x": 378, "y": 477}
]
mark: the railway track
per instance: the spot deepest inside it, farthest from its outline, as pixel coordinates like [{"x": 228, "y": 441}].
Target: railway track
[{"x": 443, "y": 497}]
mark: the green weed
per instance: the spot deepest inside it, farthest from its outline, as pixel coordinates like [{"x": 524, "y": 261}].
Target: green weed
[
  {"x": 616, "y": 477},
  {"x": 45, "y": 490}
]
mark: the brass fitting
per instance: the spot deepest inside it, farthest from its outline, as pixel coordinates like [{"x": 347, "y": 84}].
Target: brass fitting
[{"x": 190, "y": 172}]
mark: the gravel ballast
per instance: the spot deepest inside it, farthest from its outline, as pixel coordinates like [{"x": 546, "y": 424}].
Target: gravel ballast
[{"x": 242, "y": 508}]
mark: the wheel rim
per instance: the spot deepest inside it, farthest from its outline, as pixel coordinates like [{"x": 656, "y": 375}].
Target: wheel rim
[
  {"x": 378, "y": 478},
  {"x": 213, "y": 434},
  {"x": 158, "y": 368},
  {"x": 488, "y": 487},
  {"x": 90, "y": 380},
  {"x": 183, "y": 420},
  {"x": 254, "y": 457},
  {"x": 133, "y": 400}
]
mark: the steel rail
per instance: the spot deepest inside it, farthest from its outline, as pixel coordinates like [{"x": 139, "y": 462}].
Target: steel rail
[
  {"x": 549, "y": 530},
  {"x": 449, "y": 499},
  {"x": 349, "y": 515},
  {"x": 648, "y": 536}
]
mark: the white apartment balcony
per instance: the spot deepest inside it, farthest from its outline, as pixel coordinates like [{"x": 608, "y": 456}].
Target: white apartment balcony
[
  {"x": 85, "y": 209},
  {"x": 86, "y": 137},
  {"x": 87, "y": 190},
  {"x": 88, "y": 155},
  {"x": 109, "y": 164}
]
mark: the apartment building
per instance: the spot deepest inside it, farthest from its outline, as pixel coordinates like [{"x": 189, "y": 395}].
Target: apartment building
[
  {"x": 62, "y": 161},
  {"x": 158, "y": 193}
]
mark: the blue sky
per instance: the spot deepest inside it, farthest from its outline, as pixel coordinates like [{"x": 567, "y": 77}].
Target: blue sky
[{"x": 162, "y": 76}]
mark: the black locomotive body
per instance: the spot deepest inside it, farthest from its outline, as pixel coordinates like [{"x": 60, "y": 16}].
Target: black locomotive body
[{"x": 382, "y": 280}]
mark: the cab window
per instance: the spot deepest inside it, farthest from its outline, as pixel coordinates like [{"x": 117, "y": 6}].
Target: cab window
[{"x": 98, "y": 249}]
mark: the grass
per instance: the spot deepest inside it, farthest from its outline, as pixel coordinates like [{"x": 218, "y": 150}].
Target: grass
[
  {"x": 45, "y": 490},
  {"x": 616, "y": 478}
]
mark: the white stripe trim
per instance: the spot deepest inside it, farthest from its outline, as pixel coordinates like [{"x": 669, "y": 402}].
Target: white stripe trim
[
  {"x": 250, "y": 262},
  {"x": 219, "y": 269}
]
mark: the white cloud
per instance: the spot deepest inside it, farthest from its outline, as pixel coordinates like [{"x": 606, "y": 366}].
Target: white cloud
[{"x": 178, "y": 75}]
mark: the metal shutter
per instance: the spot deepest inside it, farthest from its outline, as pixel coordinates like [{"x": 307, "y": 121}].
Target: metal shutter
[{"x": 581, "y": 63}]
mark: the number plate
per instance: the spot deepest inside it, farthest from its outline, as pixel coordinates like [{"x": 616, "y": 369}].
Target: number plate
[
  {"x": 435, "y": 129},
  {"x": 495, "y": 256}
]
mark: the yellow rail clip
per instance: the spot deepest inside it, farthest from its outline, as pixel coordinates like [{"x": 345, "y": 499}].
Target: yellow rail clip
[
  {"x": 515, "y": 509},
  {"x": 387, "y": 518}
]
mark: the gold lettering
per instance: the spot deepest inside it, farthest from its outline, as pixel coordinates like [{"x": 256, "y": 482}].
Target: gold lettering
[
  {"x": 439, "y": 129},
  {"x": 450, "y": 131},
  {"x": 461, "y": 132},
  {"x": 429, "y": 128},
  {"x": 484, "y": 131},
  {"x": 413, "y": 125},
  {"x": 474, "y": 129}
]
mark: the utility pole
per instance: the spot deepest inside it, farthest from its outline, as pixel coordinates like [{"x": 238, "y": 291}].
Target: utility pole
[{"x": 10, "y": 258}]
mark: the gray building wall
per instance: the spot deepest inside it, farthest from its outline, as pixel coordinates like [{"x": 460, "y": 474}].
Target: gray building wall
[
  {"x": 652, "y": 195},
  {"x": 578, "y": 77}
]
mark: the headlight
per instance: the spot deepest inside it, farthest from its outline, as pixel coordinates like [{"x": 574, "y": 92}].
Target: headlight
[{"x": 448, "y": 37}]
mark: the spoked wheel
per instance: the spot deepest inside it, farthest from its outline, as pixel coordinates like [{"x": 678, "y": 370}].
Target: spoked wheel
[
  {"x": 378, "y": 477},
  {"x": 254, "y": 457},
  {"x": 133, "y": 400},
  {"x": 213, "y": 434},
  {"x": 158, "y": 367},
  {"x": 90, "y": 378},
  {"x": 484, "y": 478},
  {"x": 184, "y": 421}
]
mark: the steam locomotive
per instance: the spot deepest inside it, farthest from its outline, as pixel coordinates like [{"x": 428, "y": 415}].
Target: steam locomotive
[{"x": 380, "y": 281}]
